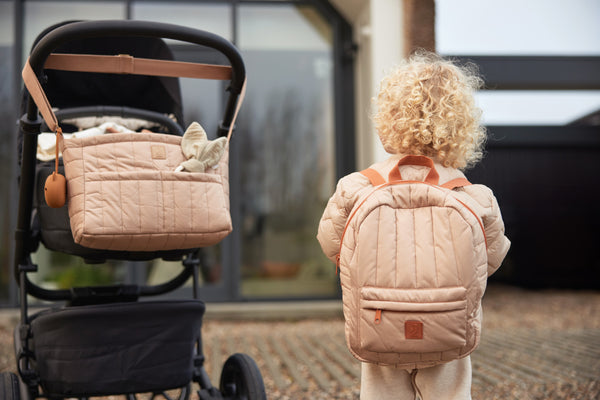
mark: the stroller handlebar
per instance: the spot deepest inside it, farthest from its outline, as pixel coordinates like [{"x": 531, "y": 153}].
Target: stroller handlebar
[{"x": 111, "y": 28}]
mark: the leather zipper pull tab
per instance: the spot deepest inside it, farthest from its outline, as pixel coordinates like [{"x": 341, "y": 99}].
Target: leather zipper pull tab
[{"x": 377, "y": 316}]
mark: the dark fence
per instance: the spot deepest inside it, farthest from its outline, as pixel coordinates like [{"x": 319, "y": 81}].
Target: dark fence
[{"x": 547, "y": 181}]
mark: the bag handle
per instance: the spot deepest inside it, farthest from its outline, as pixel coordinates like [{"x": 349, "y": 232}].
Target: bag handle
[
  {"x": 376, "y": 179},
  {"x": 432, "y": 177}
]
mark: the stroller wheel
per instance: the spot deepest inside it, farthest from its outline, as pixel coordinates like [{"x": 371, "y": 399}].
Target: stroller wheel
[
  {"x": 9, "y": 386},
  {"x": 241, "y": 379}
]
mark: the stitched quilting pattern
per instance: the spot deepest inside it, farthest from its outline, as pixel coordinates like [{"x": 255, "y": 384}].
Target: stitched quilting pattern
[
  {"x": 431, "y": 274},
  {"x": 124, "y": 194}
]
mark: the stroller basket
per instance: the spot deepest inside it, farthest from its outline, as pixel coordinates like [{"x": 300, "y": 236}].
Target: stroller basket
[{"x": 116, "y": 348}]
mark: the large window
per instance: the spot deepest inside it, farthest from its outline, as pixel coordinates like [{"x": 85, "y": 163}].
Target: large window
[
  {"x": 287, "y": 157},
  {"x": 284, "y": 161},
  {"x": 7, "y": 113}
]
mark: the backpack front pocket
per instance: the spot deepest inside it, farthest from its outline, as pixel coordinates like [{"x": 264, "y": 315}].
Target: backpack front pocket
[{"x": 412, "y": 320}]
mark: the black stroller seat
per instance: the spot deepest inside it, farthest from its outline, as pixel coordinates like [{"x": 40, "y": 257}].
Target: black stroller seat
[
  {"x": 105, "y": 340},
  {"x": 116, "y": 348}
]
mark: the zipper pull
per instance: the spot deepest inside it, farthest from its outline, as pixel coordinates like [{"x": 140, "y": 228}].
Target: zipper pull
[
  {"x": 337, "y": 264},
  {"x": 377, "y": 316}
]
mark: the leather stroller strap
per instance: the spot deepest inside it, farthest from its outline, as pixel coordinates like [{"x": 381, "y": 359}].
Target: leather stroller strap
[
  {"x": 126, "y": 64},
  {"x": 122, "y": 64},
  {"x": 240, "y": 100},
  {"x": 39, "y": 97}
]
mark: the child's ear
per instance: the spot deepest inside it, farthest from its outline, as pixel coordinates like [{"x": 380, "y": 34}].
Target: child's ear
[{"x": 55, "y": 190}]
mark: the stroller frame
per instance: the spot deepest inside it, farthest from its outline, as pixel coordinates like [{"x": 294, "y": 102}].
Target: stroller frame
[{"x": 241, "y": 377}]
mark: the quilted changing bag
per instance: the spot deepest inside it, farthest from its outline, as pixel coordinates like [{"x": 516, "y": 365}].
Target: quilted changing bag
[
  {"x": 125, "y": 190},
  {"x": 124, "y": 194}
]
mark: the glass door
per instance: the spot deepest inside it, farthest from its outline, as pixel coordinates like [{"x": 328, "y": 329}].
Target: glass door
[{"x": 286, "y": 151}]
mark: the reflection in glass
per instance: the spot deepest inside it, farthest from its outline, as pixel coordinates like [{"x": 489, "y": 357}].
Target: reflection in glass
[
  {"x": 285, "y": 138},
  {"x": 214, "y": 18},
  {"x": 42, "y": 14},
  {"x": 7, "y": 109},
  {"x": 202, "y": 101},
  {"x": 287, "y": 156}
]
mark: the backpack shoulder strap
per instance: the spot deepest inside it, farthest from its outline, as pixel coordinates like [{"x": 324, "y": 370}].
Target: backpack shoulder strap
[
  {"x": 454, "y": 183},
  {"x": 374, "y": 177}
]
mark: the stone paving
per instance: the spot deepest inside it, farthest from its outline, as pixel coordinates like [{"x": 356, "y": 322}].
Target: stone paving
[
  {"x": 536, "y": 345},
  {"x": 309, "y": 359}
]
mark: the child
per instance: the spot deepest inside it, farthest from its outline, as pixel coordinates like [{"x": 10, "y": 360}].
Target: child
[{"x": 425, "y": 107}]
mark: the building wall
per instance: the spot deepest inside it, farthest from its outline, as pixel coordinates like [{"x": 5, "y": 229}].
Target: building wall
[{"x": 378, "y": 27}]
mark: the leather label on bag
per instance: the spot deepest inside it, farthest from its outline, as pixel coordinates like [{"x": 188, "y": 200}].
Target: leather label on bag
[
  {"x": 158, "y": 152},
  {"x": 413, "y": 330}
]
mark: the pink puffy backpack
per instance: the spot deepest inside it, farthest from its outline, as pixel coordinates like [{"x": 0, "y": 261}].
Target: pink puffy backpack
[{"x": 413, "y": 270}]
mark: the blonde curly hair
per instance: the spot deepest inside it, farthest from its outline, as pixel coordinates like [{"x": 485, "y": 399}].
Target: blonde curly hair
[{"x": 426, "y": 107}]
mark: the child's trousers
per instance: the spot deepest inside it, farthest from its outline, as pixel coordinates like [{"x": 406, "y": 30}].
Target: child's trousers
[{"x": 450, "y": 381}]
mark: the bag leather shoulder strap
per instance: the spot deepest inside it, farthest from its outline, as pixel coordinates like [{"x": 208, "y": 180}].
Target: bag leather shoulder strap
[
  {"x": 126, "y": 64},
  {"x": 38, "y": 95}
]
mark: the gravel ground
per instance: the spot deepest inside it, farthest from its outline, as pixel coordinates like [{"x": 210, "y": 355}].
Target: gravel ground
[
  {"x": 537, "y": 345},
  {"x": 546, "y": 314}
]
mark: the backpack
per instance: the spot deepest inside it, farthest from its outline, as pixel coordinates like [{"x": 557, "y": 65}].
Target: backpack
[{"x": 413, "y": 270}]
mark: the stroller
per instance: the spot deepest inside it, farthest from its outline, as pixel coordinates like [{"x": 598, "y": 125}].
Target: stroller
[{"x": 104, "y": 340}]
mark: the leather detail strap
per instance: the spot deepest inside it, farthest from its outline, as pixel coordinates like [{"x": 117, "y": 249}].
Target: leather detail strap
[
  {"x": 374, "y": 177},
  {"x": 121, "y": 64},
  {"x": 126, "y": 64},
  {"x": 39, "y": 97},
  {"x": 454, "y": 183},
  {"x": 237, "y": 110},
  {"x": 431, "y": 178}
]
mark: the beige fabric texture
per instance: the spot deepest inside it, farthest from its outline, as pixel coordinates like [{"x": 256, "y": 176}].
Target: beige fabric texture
[
  {"x": 403, "y": 278},
  {"x": 124, "y": 194},
  {"x": 450, "y": 381}
]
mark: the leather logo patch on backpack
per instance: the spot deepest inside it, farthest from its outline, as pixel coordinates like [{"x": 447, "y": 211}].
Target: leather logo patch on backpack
[{"x": 413, "y": 330}]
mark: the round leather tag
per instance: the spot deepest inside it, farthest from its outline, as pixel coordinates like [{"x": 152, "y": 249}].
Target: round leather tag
[{"x": 55, "y": 190}]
